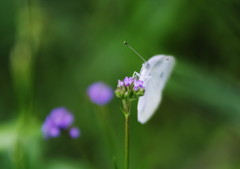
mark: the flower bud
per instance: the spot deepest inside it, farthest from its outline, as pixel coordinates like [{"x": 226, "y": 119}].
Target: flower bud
[
  {"x": 126, "y": 95},
  {"x": 140, "y": 92},
  {"x": 118, "y": 93}
]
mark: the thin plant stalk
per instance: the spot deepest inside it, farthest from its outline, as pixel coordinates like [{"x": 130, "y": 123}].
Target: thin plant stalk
[
  {"x": 126, "y": 142},
  {"x": 126, "y": 107}
]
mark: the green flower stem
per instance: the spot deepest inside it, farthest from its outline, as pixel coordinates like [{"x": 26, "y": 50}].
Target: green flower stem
[
  {"x": 126, "y": 141},
  {"x": 126, "y": 107}
]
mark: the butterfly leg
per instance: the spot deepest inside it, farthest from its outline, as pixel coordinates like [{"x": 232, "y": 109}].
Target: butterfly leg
[{"x": 135, "y": 74}]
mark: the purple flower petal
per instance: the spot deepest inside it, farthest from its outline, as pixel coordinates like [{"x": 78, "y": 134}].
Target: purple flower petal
[
  {"x": 128, "y": 81},
  {"x": 138, "y": 83},
  {"x": 120, "y": 83},
  {"x": 135, "y": 88}
]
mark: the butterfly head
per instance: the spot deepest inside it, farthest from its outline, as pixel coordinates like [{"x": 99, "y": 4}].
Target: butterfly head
[{"x": 147, "y": 65}]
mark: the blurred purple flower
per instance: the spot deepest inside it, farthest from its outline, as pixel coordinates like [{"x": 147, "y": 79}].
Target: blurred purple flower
[
  {"x": 74, "y": 132},
  {"x": 59, "y": 119},
  {"x": 100, "y": 93},
  {"x": 62, "y": 117},
  {"x": 49, "y": 128}
]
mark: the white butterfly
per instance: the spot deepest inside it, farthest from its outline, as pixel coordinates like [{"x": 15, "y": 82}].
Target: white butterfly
[{"x": 154, "y": 74}]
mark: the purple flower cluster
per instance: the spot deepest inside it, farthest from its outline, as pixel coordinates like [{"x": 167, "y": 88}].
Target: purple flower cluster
[
  {"x": 100, "y": 93},
  {"x": 130, "y": 88},
  {"x": 128, "y": 81},
  {"x": 59, "y": 119}
]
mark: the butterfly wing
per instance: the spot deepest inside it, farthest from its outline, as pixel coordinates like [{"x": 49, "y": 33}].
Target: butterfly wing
[{"x": 154, "y": 78}]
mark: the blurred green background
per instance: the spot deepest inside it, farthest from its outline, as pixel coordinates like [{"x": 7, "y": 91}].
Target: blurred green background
[{"x": 51, "y": 51}]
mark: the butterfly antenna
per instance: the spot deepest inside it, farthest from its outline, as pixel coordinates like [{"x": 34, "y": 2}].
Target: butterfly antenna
[{"x": 130, "y": 47}]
